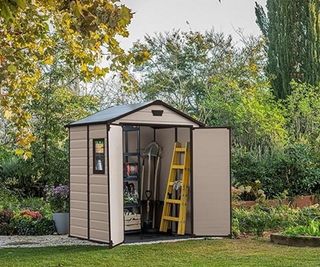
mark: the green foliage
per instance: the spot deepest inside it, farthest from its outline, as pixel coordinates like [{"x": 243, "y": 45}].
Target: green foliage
[
  {"x": 302, "y": 113},
  {"x": 256, "y": 118},
  {"x": 6, "y": 228},
  {"x": 249, "y": 192},
  {"x": 28, "y": 226},
  {"x": 260, "y": 218},
  {"x": 17, "y": 174},
  {"x": 11, "y": 201},
  {"x": 36, "y": 203},
  {"x": 295, "y": 168},
  {"x": 209, "y": 77},
  {"x": 25, "y": 223},
  {"x": 292, "y": 30},
  {"x": 312, "y": 229},
  {"x": 8, "y": 199},
  {"x": 181, "y": 66}
]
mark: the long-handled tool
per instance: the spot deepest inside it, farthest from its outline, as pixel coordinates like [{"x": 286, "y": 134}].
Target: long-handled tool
[{"x": 153, "y": 150}]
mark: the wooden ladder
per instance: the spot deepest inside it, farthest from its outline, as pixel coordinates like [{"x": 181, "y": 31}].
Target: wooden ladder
[{"x": 177, "y": 189}]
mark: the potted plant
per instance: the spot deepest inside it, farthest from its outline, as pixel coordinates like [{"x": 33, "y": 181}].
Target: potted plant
[{"x": 58, "y": 197}]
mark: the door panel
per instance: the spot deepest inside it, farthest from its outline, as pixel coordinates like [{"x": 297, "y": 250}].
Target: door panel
[
  {"x": 211, "y": 182},
  {"x": 116, "y": 184}
]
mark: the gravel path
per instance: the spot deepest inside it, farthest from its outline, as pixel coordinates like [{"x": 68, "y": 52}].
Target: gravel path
[
  {"x": 17, "y": 241},
  {"x": 43, "y": 241}
]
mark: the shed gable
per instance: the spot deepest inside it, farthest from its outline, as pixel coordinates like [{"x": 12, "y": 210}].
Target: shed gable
[{"x": 156, "y": 114}]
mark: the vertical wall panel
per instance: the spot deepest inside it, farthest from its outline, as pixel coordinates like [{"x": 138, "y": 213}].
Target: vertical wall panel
[
  {"x": 78, "y": 182},
  {"x": 98, "y": 198},
  {"x": 116, "y": 184},
  {"x": 165, "y": 138},
  {"x": 211, "y": 182}
]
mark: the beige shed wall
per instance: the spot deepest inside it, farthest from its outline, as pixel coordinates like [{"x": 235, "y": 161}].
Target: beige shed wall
[
  {"x": 78, "y": 182},
  {"x": 183, "y": 138},
  {"x": 211, "y": 182},
  {"x": 165, "y": 138},
  {"x": 145, "y": 116},
  {"x": 98, "y": 199},
  {"x": 116, "y": 184}
]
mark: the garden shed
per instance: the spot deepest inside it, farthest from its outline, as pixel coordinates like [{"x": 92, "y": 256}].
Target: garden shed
[{"x": 118, "y": 184}]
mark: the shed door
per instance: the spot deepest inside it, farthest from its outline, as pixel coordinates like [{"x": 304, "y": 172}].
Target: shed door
[
  {"x": 211, "y": 182},
  {"x": 115, "y": 166}
]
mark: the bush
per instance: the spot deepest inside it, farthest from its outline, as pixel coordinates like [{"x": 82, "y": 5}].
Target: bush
[
  {"x": 5, "y": 227},
  {"x": 28, "y": 226},
  {"x": 26, "y": 222},
  {"x": 36, "y": 203},
  {"x": 8, "y": 199},
  {"x": 295, "y": 168},
  {"x": 259, "y": 218},
  {"x": 311, "y": 229}
]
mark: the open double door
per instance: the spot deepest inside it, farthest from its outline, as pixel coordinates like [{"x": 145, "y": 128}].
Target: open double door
[{"x": 210, "y": 187}]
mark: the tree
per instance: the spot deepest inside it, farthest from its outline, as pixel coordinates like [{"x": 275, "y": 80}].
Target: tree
[
  {"x": 207, "y": 76},
  {"x": 303, "y": 114},
  {"x": 32, "y": 33},
  {"x": 180, "y": 66},
  {"x": 292, "y": 31}
]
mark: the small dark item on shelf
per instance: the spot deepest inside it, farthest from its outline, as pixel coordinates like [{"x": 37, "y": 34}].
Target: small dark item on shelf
[{"x": 131, "y": 169}]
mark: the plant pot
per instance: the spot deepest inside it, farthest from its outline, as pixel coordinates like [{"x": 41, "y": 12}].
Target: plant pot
[{"x": 61, "y": 221}]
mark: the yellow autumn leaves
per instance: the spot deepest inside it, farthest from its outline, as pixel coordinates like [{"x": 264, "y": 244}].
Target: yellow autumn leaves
[{"x": 38, "y": 35}]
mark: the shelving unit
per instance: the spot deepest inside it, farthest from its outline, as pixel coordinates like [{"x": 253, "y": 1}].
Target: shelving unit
[{"x": 133, "y": 221}]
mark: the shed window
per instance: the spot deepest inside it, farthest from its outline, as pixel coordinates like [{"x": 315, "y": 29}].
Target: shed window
[{"x": 98, "y": 156}]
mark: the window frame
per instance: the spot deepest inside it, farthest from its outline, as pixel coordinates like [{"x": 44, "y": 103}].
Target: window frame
[{"x": 103, "y": 171}]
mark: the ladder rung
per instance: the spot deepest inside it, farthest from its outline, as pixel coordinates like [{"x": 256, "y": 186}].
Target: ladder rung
[
  {"x": 181, "y": 149},
  {"x": 171, "y": 218},
  {"x": 181, "y": 167},
  {"x": 173, "y": 201}
]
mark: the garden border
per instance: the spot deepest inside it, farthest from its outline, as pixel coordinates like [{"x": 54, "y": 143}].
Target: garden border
[{"x": 296, "y": 241}]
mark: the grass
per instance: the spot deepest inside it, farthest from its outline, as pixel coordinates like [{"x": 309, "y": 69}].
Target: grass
[{"x": 243, "y": 252}]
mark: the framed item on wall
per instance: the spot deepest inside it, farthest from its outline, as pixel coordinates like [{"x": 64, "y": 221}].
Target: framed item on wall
[{"x": 99, "y": 156}]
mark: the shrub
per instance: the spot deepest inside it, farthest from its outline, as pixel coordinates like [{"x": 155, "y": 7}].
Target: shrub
[
  {"x": 260, "y": 218},
  {"x": 35, "y": 215},
  {"x": 36, "y": 203},
  {"x": 8, "y": 199},
  {"x": 26, "y": 222},
  {"x": 295, "y": 168},
  {"x": 32, "y": 223},
  {"x": 5, "y": 218},
  {"x": 312, "y": 229},
  {"x": 253, "y": 192}
]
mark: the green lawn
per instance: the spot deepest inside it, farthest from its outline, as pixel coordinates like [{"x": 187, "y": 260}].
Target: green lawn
[{"x": 244, "y": 252}]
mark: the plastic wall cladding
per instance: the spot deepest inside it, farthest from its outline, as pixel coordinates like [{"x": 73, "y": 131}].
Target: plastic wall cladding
[
  {"x": 145, "y": 116},
  {"x": 98, "y": 191},
  {"x": 81, "y": 197},
  {"x": 166, "y": 139},
  {"x": 211, "y": 182},
  {"x": 78, "y": 182}
]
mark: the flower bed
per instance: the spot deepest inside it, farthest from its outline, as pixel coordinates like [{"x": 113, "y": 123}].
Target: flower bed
[
  {"x": 260, "y": 218},
  {"x": 25, "y": 222}
]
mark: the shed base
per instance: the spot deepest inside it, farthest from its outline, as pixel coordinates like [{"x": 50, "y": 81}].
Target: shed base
[{"x": 152, "y": 237}]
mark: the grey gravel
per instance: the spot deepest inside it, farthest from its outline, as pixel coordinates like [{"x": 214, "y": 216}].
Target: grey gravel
[{"x": 43, "y": 241}]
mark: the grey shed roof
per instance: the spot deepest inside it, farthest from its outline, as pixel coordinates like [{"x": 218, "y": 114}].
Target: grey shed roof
[{"x": 114, "y": 113}]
